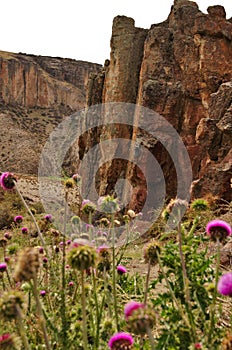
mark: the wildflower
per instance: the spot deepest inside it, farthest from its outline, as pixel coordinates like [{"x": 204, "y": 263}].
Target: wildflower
[
  {"x": 48, "y": 218},
  {"x": 7, "y": 181},
  {"x": 104, "y": 222},
  {"x": 9, "y": 342},
  {"x": 88, "y": 207},
  {"x": 41, "y": 250},
  {"x": 121, "y": 270},
  {"x": 89, "y": 227},
  {"x": 197, "y": 346},
  {"x": 131, "y": 307},
  {"x": 56, "y": 249},
  {"x": 7, "y": 235},
  {"x": 75, "y": 220},
  {"x": 117, "y": 223},
  {"x": 45, "y": 260},
  {"x": 68, "y": 242},
  {"x": 218, "y": 230},
  {"x": 224, "y": 286},
  {"x": 3, "y": 267},
  {"x": 3, "y": 242},
  {"x": 121, "y": 341},
  {"x": 131, "y": 213},
  {"x": 82, "y": 257},
  {"x": 18, "y": 219},
  {"x": 108, "y": 204},
  {"x": 69, "y": 183},
  {"x": 139, "y": 317},
  {"x": 76, "y": 178},
  {"x": 104, "y": 256},
  {"x": 28, "y": 265},
  {"x": 84, "y": 236},
  {"x": 42, "y": 293},
  {"x": 151, "y": 252},
  {"x": 200, "y": 205},
  {"x": 9, "y": 302},
  {"x": 71, "y": 284},
  {"x": 7, "y": 259},
  {"x": 24, "y": 230}
]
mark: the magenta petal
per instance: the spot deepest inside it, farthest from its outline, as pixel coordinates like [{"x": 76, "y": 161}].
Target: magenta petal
[
  {"x": 220, "y": 224},
  {"x": 121, "y": 336},
  {"x": 224, "y": 286}
]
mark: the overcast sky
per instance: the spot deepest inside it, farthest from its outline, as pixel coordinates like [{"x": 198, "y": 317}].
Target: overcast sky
[{"x": 77, "y": 29}]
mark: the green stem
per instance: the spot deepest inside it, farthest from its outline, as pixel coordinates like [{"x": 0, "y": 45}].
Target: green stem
[
  {"x": 175, "y": 301},
  {"x": 63, "y": 286},
  {"x": 83, "y": 305},
  {"x": 147, "y": 282},
  {"x": 96, "y": 340},
  {"x": 40, "y": 314},
  {"x": 33, "y": 218},
  {"x": 213, "y": 307},
  {"x": 151, "y": 338},
  {"x": 186, "y": 284},
  {"x": 21, "y": 329},
  {"x": 114, "y": 277}
]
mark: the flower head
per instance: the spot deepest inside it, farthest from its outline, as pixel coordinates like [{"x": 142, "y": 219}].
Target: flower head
[
  {"x": 151, "y": 252},
  {"x": 131, "y": 213},
  {"x": 48, "y": 217},
  {"x": 131, "y": 307},
  {"x": 69, "y": 183},
  {"x": 218, "y": 230},
  {"x": 24, "y": 230},
  {"x": 121, "y": 341},
  {"x": 9, "y": 303},
  {"x": 3, "y": 267},
  {"x": 87, "y": 206},
  {"x": 18, "y": 219},
  {"x": 121, "y": 269},
  {"x": 75, "y": 220},
  {"x": 82, "y": 257},
  {"x": 9, "y": 342},
  {"x": 7, "y": 181},
  {"x": 76, "y": 178},
  {"x": 108, "y": 204},
  {"x": 28, "y": 265},
  {"x": 224, "y": 286},
  {"x": 42, "y": 293},
  {"x": 139, "y": 317}
]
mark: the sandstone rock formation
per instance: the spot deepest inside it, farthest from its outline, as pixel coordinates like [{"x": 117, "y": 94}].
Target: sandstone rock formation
[
  {"x": 36, "y": 92},
  {"x": 182, "y": 69}
]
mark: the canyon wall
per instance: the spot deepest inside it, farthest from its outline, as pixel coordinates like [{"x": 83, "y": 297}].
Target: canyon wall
[
  {"x": 182, "y": 69},
  {"x": 36, "y": 93}
]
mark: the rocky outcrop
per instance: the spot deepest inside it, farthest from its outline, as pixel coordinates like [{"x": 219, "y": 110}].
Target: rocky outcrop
[
  {"x": 35, "y": 81},
  {"x": 182, "y": 69},
  {"x": 36, "y": 93}
]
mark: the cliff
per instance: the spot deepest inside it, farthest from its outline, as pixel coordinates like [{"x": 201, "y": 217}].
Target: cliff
[
  {"x": 182, "y": 69},
  {"x": 36, "y": 92}
]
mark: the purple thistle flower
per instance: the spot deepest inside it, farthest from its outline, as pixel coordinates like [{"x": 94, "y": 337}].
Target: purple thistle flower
[
  {"x": 68, "y": 242},
  {"x": 7, "y": 235},
  {"x": 121, "y": 269},
  {"x": 71, "y": 283},
  {"x": 224, "y": 286},
  {"x": 3, "y": 267},
  {"x": 7, "y": 181},
  {"x": 7, "y": 259},
  {"x": 18, "y": 219},
  {"x": 131, "y": 307},
  {"x": 41, "y": 250},
  {"x": 45, "y": 260},
  {"x": 24, "y": 230},
  {"x": 48, "y": 217},
  {"x": 121, "y": 340},
  {"x": 76, "y": 178},
  {"x": 218, "y": 229},
  {"x": 42, "y": 293}
]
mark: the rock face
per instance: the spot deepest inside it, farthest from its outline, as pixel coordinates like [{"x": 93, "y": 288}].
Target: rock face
[
  {"x": 182, "y": 69},
  {"x": 35, "y": 94}
]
